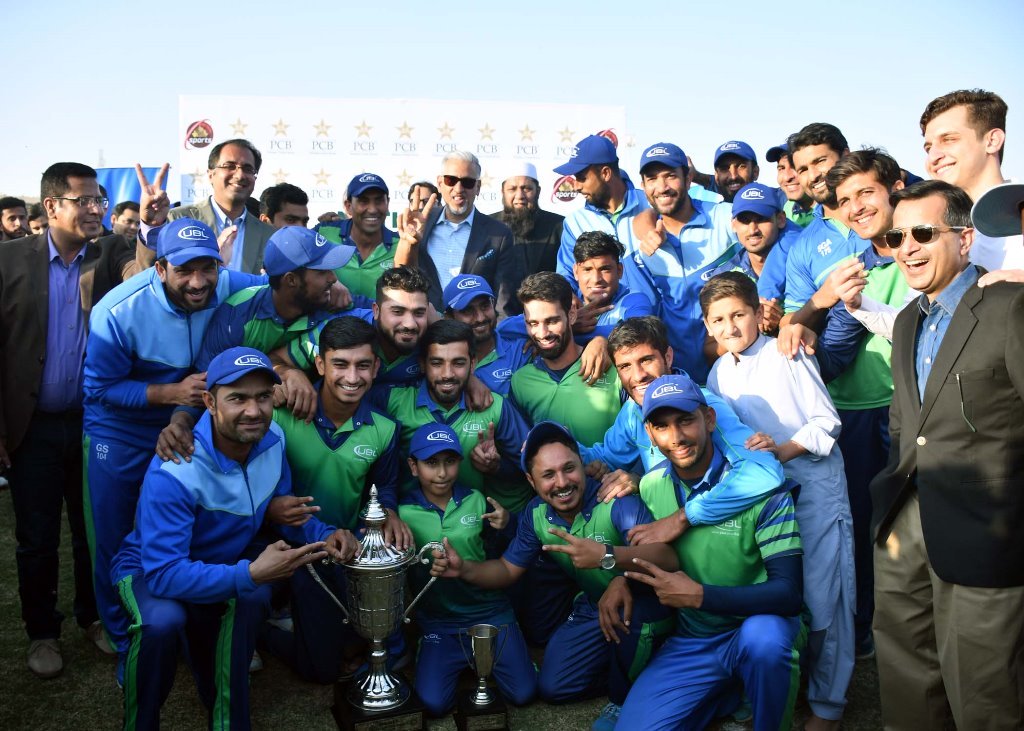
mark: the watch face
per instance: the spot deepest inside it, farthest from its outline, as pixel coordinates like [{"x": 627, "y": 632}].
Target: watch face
[{"x": 608, "y": 562}]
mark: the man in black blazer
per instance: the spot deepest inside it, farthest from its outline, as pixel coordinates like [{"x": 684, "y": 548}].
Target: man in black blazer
[
  {"x": 48, "y": 285},
  {"x": 949, "y": 506},
  {"x": 457, "y": 239}
]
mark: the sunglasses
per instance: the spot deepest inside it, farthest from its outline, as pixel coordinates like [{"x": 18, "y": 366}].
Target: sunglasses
[
  {"x": 923, "y": 234},
  {"x": 451, "y": 180}
]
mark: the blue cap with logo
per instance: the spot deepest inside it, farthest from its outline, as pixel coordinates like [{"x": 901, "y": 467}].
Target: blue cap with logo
[
  {"x": 234, "y": 363},
  {"x": 775, "y": 154},
  {"x": 735, "y": 147},
  {"x": 185, "y": 239},
  {"x": 295, "y": 247},
  {"x": 541, "y": 434},
  {"x": 756, "y": 198},
  {"x": 463, "y": 289},
  {"x": 676, "y": 392},
  {"x": 664, "y": 153},
  {"x": 364, "y": 182},
  {"x": 592, "y": 150},
  {"x": 432, "y": 438}
]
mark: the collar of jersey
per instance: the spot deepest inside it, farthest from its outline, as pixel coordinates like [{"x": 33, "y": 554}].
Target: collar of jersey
[
  {"x": 709, "y": 480},
  {"x": 416, "y": 497},
  {"x": 362, "y": 415},
  {"x": 203, "y": 433},
  {"x": 633, "y": 203}
]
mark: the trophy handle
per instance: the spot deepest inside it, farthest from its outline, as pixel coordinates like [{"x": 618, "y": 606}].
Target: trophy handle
[
  {"x": 422, "y": 558},
  {"x": 317, "y": 579}
]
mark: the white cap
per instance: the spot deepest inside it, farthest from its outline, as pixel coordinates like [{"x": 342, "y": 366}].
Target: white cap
[{"x": 521, "y": 169}]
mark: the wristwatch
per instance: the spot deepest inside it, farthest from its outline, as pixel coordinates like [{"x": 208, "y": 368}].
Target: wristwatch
[{"x": 608, "y": 562}]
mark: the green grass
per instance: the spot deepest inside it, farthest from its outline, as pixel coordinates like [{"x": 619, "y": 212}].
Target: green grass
[{"x": 85, "y": 696}]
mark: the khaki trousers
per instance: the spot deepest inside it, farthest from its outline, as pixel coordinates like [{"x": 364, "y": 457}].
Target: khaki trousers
[{"x": 949, "y": 656}]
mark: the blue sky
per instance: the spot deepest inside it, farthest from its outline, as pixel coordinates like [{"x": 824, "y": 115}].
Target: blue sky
[{"x": 85, "y": 77}]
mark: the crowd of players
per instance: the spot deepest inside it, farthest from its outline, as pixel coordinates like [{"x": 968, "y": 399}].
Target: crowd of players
[{"x": 645, "y": 433}]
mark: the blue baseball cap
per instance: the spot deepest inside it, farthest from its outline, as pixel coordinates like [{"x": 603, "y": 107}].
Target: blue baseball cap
[
  {"x": 295, "y": 247},
  {"x": 364, "y": 182},
  {"x": 735, "y": 147},
  {"x": 663, "y": 153},
  {"x": 431, "y": 439},
  {"x": 775, "y": 154},
  {"x": 185, "y": 239},
  {"x": 236, "y": 362},
  {"x": 592, "y": 150},
  {"x": 463, "y": 289},
  {"x": 541, "y": 434},
  {"x": 756, "y": 198},
  {"x": 675, "y": 391}
]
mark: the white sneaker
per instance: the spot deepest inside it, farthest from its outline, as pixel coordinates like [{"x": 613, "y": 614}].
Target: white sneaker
[
  {"x": 95, "y": 634},
  {"x": 256, "y": 664},
  {"x": 44, "y": 658}
]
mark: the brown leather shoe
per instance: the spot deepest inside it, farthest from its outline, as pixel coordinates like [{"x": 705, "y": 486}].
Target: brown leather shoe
[
  {"x": 44, "y": 658},
  {"x": 94, "y": 632}
]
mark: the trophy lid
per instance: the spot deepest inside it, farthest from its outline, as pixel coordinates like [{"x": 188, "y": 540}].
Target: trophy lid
[{"x": 374, "y": 553}]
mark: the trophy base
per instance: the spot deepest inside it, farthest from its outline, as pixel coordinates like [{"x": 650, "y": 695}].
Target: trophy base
[
  {"x": 409, "y": 716},
  {"x": 472, "y": 717}
]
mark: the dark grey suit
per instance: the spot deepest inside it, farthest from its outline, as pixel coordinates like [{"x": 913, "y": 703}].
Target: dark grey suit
[
  {"x": 257, "y": 233},
  {"x": 488, "y": 254}
]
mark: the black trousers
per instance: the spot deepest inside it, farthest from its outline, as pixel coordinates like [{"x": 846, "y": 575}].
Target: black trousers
[{"x": 45, "y": 474}]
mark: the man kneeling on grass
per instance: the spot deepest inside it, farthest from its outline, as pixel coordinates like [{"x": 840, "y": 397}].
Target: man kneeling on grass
[{"x": 193, "y": 564}]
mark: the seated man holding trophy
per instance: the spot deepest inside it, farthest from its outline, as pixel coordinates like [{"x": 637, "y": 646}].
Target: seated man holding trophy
[
  {"x": 609, "y": 635},
  {"x": 440, "y": 508},
  {"x": 193, "y": 565},
  {"x": 334, "y": 459}
]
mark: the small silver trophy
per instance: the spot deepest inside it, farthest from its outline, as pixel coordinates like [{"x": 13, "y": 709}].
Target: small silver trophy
[
  {"x": 482, "y": 709},
  {"x": 376, "y": 587}
]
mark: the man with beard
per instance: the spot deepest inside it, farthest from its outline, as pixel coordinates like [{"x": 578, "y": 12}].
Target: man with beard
[
  {"x": 735, "y": 166},
  {"x": 233, "y": 167},
  {"x": 492, "y": 438},
  {"x": 469, "y": 299},
  {"x": 456, "y": 238},
  {"x": 125, "y": 220},
  {"x": 193, "y": 570},
  {"x": 13, "y": 219},
  {"x": 798, "y": 204},
  {"x": 826, "y": 242},
  {"x": 536, "y": 233},
  {"x": 550, "y": 387},
  {"x": 686, "y": 239},
  {"x": 611, "y": 205},
  {"x": 640, "y": 351},
  {"x": 139, "y": 366}
]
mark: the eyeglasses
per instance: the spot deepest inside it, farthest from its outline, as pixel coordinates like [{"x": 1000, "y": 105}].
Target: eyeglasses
[
  {"x": 923, "y": 234},
  {"x": 231, "y": 167},
  {"x": 451, "y": 180},
  {"x": 85, "y": 201}
]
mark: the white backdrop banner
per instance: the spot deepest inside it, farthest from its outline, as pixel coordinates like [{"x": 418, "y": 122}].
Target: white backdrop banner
[{"x": 320, "y": 144}]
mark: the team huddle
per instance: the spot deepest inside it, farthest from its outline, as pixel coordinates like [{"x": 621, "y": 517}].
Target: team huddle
[{"x": 645, "y": 435}]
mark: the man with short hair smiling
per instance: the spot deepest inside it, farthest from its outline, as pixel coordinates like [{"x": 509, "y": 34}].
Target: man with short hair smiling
[
  {"x": 735, "y": 166},
  {"x": 125, "y": 220},
  {"x": 233, "y": 167},
  {"x": 193, "y": 569},
  {"x": 798, "y": 204},
  {"x": 13, "y": 219},
  {"x": 456, "y": 238},
  {"x": 598, "y": 271},
  {"x": 139, "y": 365},
  {"x": 283, "y": 205},
  {"x": 949, "y": 552}
]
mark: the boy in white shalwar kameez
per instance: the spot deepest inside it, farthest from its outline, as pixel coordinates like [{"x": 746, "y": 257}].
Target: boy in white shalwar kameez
[{"x": 786, "y": 403}]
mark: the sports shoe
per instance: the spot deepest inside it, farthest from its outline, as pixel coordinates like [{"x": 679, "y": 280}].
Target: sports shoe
[
  {"x": 94, "y": 632},
  {"x": 44, "y": 658},
  {"x": 608, "y": 718},
  {"x": 256, "y": 664}
]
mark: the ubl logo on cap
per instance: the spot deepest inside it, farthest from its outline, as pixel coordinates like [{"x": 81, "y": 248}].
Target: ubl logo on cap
[
  {"x": 667, "y": 389},
  {"x": 193, "y": 233},
  {"x": 248, "y": 360},
  {"x": 657, "y": 152},
  {"x": 752, "y": 194}
]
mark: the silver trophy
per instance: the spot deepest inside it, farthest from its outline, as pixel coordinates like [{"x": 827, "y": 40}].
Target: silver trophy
[
  {"x": 482, "y": 709},
  {"x": 376, "y": 587}
]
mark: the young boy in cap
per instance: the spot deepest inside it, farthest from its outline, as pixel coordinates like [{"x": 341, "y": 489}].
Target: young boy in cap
[
  {"x": 440, "y": 508},
  {"x": 786, "y": 402},
  {"x": 609, "y": 634},
  {"x": 738, "y": 591},
  {"x": 192, "y": 566}
]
